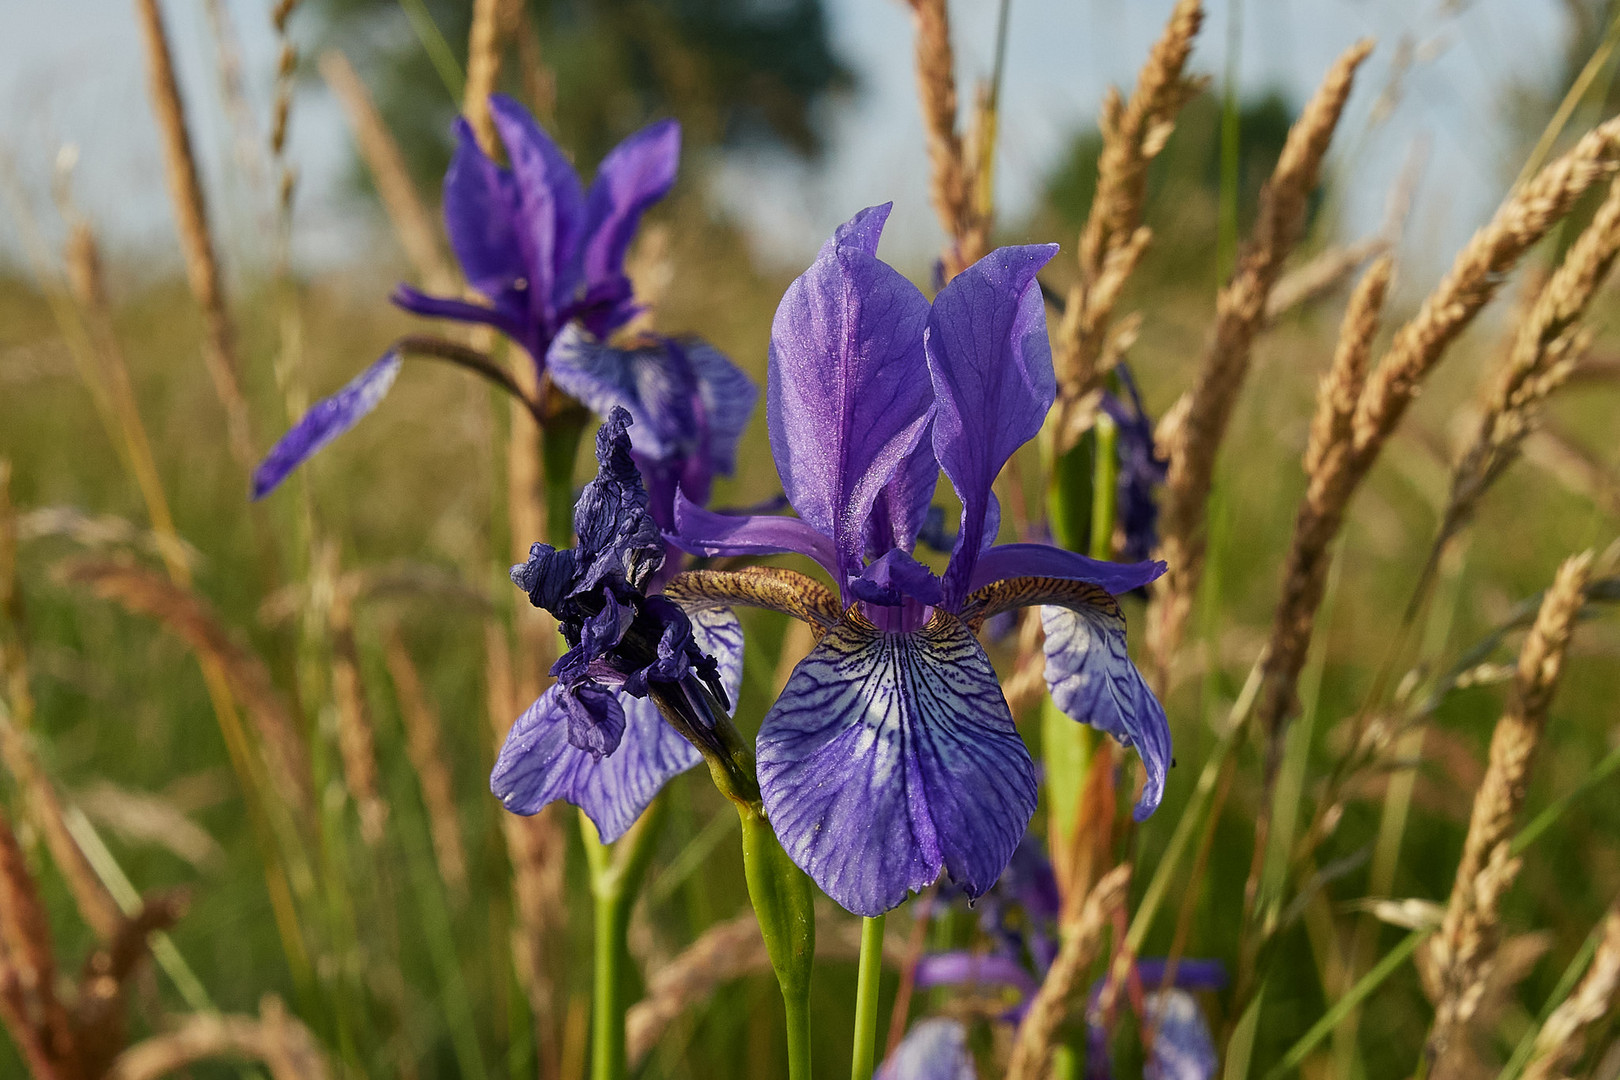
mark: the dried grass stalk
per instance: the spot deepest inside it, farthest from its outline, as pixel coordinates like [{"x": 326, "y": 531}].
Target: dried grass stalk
[
  {"x": 725, "y": 952},
  {"x": 190, "y": 618},
  {"x": 196, "y": 240},
  {"x": 1065, "y": 981},
  {"x": 1309, "y": 283},
  {"x": 536, "y": 847},
  {"x": 1545, "y": 349},
  {"x": 427, "y": 756},
  {"x": 356, "y": 735},
  {"x": 96, "y": 905},
  {"x": 951, "y": 171},
  {"x": 1562, "y": 1038},
  {"x": 1113, "y": 238},
  {"x": 100, "y": 1030},
  {"x": 280, "y": 1041},
  {"x": 88, "y": 285},
  {"x": 13, "y": 653},
  {"x": 1463, "y": 952},
  {"x": 1329, "y": 484},
  {"x": 413, "y": 224},
  {"x": 492, "y": 23},
  {"x": 1524, "y": 218},
  {"x": 36, "y": 1017},
  {"x": 1239, "y": 313}
]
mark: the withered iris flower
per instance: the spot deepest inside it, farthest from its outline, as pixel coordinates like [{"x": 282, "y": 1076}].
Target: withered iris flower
[
  {"x": 597, "y": 738},
  {"x": 891, "y": 754}
]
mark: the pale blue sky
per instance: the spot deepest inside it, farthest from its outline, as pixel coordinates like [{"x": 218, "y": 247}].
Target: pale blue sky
[{"x": 71, "y": 72}]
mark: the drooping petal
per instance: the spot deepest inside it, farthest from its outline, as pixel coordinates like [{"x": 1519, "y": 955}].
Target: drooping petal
[
  {"x": 550, "y": 203},
  {"x": 538, "y": 765},
  {"x": 1005, "y": 561},
  {"x": 991, "y": 365},
  {"x": 635, "y": 174},
  {"x": 655, "y": 385},
  {"x": 960, "y": 968},
  {"x": 848, "y": 396},
  {"x": 325, "y": 421},
  {"x": 480, "y": 217},
  {"x": 704, "y": 532},
  {"x": 935, "y": 1049},
  {"x": 1092, "y": 680},
  {"x": 728, "y": 397},
  {"x": 891, "y": 757},
  {"x": 439, "y": 307}
]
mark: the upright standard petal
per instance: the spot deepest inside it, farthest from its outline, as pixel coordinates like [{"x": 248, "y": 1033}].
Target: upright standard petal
[
  {"x": 538, "y": 765},
  {"x": 935, "y": 1049},
  {"x": 991, "y": 366},
  {"x": 848, "y": 397},
  {"x": 550, "y": 204},
  {"x": 1092, "y": 680},
  {"x": 635, "y": 174},
  {"x": 861, "y": 232},
  {"x": 480, "y": 216},
  {"x": 325, "y": 421},
  {"x": 892, "y": 756}
]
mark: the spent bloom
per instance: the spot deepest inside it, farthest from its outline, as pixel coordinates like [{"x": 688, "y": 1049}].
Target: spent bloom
[
  {"x": 547, "y": 255},
  {"x": 891, "y": 754},
  {"x": 597, "y": 738}
]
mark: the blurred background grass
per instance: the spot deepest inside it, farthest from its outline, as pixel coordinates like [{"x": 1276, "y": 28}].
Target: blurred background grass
[{"x": 403, "y": 963}]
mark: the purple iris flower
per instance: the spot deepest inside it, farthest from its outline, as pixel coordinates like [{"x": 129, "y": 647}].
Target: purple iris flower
[
  {"x": 891, "y": 754},
  {"x": 1020, "y": 918},
  {"x": 1183, "y": 1048},
  {"x": 597, "y": 738},
  {"x": 548, "y": 256},
  {"x": 935, "y": 1049},
  {"x": 532, "y": 240},
  {"x": 1141, "y": 468}
]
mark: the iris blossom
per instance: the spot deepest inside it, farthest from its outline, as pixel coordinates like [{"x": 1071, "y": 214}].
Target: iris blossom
[
  {"x": 1141, "y": 467},
  {"x": 548, "y": 257},
  {"x": 598, "y": 737},
  {"x": 1020, "y": 919},
  {"x": 891, "y": 754},
  {"x": 935, "y": 1049}
]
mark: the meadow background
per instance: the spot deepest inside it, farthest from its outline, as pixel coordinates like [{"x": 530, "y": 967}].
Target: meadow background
[{"x": 364, "y": 613}]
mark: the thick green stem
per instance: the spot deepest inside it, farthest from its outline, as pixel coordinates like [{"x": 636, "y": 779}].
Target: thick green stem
[
  {"x": 783, "y": 900},
  {"x": 616, "y": 876},
  {"x": 559, "y": 448},
  {"x": 866, "y": 998}
]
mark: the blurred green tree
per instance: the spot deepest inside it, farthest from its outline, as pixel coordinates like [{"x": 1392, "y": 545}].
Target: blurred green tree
[{"x": 735, "y": 72}]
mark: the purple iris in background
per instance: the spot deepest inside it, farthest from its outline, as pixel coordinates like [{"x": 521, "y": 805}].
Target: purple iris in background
[
  {"x": 935, "y": 1049},
  {"x": 1141, "y": 468},
  {"x": 1019, "y": 917},
  {"x": 548, "y": 256},
  {"x": 891, "y": 754},
  {"x": 597, "y": 738},
  {"x": 544, "y": 251}
]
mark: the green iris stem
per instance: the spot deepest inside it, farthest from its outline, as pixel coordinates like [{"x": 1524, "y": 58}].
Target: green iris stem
[
  {"x": 783, "y": 900},
  {"x": 1104, "y": 488},
  {"x": 617, "y": 872},
  {"x": 559, "y": 449},
  {"x": 866, "y": 998}
]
